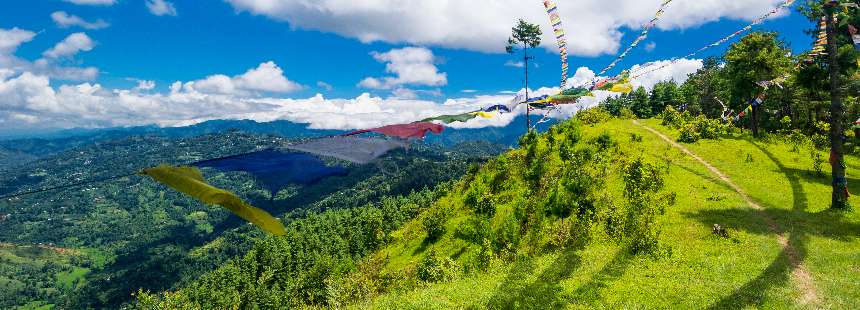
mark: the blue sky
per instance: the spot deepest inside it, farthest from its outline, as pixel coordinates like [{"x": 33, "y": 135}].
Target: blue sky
[{"x": 206, "y": 38}]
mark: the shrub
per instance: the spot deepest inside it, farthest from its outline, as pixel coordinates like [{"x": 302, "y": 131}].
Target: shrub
[
  {"x": 434, "y": 222},
  {"x": 605, "y": 141},
  {"x": 475, "y": 230},
  {"x": 672, "y": 118},
  {"x": 709, "y": 128},
  {"x": 626, "y": 113},
  {"x": 689, "y": 134},
  {"x": 593, "y": 116},
  {"x": 797, "y": 140},
  {"x": 435, "y": 268},
  {"x": 642, "y": 185}
]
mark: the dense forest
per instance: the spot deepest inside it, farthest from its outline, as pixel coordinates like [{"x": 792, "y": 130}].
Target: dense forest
[{"x": 93, "y": 246}]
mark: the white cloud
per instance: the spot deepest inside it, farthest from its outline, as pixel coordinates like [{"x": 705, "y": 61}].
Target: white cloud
[
  {"x": 30, "y": 101},
  {"x": 64, "y": 20},
  {"x": 469, "y": 91},
  {"x": 582, "y": 77},
  {"x": 10, "y": 39},
  {"x": 325, "y": 86},
  {"x": 410, "y": 65},
  {"x": 404, "y": 93},
  {"x": 267, "y": 77},
  {"x": 143, "y": 85},
  {"x": 92, "y": 2},
  {"x": 74, "y": 43},
  {"x": 650, "y": 46},
  {"x": 161, "y": 7},
  {"x": 515, "y": 64},
  {"x": 593, "y": 27},
  {"x": 678, "y": 71}
]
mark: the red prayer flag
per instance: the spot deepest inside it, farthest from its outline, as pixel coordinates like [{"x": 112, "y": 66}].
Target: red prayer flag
[{"x": 405, "y": 131}]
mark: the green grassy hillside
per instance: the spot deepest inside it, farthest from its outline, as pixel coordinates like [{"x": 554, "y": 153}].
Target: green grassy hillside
[
  {"x": 607, "y": 215},
  {"x": 750, "y": 268}
]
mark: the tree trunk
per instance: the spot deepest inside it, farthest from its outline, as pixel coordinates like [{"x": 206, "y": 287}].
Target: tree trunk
[
  {"x": 839, "y": 198},
  {"x": 528, "y": 107},
  {"x": 754, "y": 121}
]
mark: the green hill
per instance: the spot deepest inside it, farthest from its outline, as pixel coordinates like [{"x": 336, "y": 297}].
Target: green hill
[{"x": 609, "y": 215}]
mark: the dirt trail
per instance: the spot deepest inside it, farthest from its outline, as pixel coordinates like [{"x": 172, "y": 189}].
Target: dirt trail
[{"x": 802, "y": 277}]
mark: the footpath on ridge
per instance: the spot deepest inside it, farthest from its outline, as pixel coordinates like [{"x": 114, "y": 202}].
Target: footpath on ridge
[{"x": 802, "y": 276}]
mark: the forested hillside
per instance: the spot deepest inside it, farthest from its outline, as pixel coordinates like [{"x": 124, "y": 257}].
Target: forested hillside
[{"x": 93, "y": 246}]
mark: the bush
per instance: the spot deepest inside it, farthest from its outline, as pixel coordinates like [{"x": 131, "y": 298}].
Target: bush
[
  {"x": 643, "y": 183},
  {"x": 626, "y": 113},
  {"x": 709, "y": 128},
  {"x": 593, "y": 116},
  {"x": 434, "y": 268},
  {"x": 434, "y": 222},
  {"x": 689, "y": 134},
  {"x": 672, "y": 118}
]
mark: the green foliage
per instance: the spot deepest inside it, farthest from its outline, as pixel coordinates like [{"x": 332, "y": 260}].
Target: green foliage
[
  {"x": 593, "y": 116},
  {"x": 308, "y": 265},
  {"x": 692, "y": 128},
  {"x": 434, "y": 221},
  {"x": 689, "y": 133},
  {"x": 672, "y": 118},
  {"x": 626, "y": 113},
  {"x": 642, "y": 185},
  {"x": 524, "y": 33},
  {"x": 436, "y": 268}
]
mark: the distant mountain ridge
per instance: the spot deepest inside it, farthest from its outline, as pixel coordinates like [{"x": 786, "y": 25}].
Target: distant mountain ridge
[{"x": 21, "y": 150}]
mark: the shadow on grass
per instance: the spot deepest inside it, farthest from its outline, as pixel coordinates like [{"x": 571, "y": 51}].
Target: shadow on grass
[
  {"x": 778, "y": 273},
  {"x": 516, "y": 292},
  {"x": 590, "y": 292}
]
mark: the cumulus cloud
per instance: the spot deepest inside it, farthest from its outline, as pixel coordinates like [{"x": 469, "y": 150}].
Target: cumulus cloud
[
  {"x": 31, "y": 101},
  {"x": 515, "y": 64},
  {"x": 593, "y": 27},
  {"x": 410, "y": 66},
  {"x": 64, "y": 20},
  {"x": 92, "y": 2},
  {"x": 161, "y": 7},
  {"x": 267, "y": 77},
  {"x": 325, "y": 86},
  {"x": 73, "y": 44},
  {"x": 10, "y": 39},
  {"x": 650, "y": 46},
  {"x": 664, "y": 70},
  {"x": 143, "y": 85}
]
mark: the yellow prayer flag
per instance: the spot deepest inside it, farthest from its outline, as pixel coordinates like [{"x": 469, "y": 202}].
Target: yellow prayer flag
[{"x": 189, "y": 180}]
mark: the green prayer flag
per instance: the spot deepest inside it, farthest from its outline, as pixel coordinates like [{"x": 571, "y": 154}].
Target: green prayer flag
[{"x": 447, "y": 119}]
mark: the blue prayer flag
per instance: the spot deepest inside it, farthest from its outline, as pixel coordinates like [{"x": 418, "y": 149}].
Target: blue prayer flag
[{"x": 276, "y": 169}]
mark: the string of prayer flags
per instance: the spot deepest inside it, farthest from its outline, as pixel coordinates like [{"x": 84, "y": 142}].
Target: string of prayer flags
[
  {"x": 855, "y": 36},
  {"x": 352, "y": 149},
  {"x": 447, "y": 119},
  {"x": 619, "y": 84},
  {"x": 275, "y": 169},
  {"x": 819, "y": 48},
  {"x": 558, "y": 30},
  {"x": 757, "y": 21},
  {"x": 190, "y": 181},
  {"x": 404, "y": 131},
  {"x": 498, "y": 108},
  {"x": 642, "y": 36}
]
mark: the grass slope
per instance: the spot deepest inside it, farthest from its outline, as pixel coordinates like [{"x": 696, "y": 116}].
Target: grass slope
[{"x": 749, "y": 269}]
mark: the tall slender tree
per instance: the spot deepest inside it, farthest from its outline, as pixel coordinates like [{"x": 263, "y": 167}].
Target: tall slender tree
[
  {"x": 839, "y": 197},
  {"x": 525, "y": 35},
  {"x": 841, "y": 63}
]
